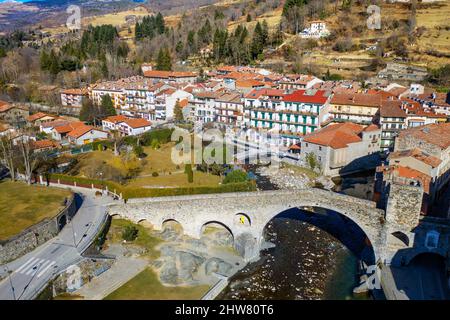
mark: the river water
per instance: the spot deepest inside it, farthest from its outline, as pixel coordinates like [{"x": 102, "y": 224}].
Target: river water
[{"x": 315, "y": 254}]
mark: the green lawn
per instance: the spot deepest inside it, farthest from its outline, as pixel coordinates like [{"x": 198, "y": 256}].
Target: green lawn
[
  {"x": 146, "y": 286},
  {"x": 22, "y": 206}
]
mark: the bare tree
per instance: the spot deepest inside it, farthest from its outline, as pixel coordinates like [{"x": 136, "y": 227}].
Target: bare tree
[
  {"x": 7, "y": 155},
  {"x": 29, "y": 157}
]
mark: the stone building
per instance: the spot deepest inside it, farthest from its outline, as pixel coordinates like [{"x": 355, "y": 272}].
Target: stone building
[{"x": 344, "y": 147}]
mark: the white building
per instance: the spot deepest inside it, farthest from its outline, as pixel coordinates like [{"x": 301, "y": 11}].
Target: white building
[{"x": 316, "y": 30}]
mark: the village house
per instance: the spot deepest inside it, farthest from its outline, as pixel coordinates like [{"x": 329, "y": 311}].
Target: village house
[
  {"x": 203, "y": 104},
  {"x": 360, "y": 108},
  {"x": 392, "y": 119},
  {"x": 230, "y": 110},
  {"x": 344, "y": 147},
  {"x": 84, "y": 134},
  {"x": 421, "y": 157},
  {"x": 316, "y": 30},
  {"x": 73, "y": 97},
  {"x": 40, "y": 118},
  {"x": 133, "y": 126},
  {"x": 170, "y": 76},
  {"x": 13, "y": 114}
]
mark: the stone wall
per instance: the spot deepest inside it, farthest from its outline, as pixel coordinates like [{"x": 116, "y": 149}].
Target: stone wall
[
  {"x": 36, "y": 235},
  {"x": 403, "y": 206}
]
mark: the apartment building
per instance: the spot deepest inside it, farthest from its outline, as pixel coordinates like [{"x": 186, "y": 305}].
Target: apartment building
[{"x": 358, "y": 108}]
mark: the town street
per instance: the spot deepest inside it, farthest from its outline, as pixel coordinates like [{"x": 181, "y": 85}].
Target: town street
[{"x": 30, "y": 273}]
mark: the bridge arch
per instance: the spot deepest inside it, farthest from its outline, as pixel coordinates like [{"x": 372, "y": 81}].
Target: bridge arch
[
  {"x": 214, "y": 223},
  {"x": 358, "y": 218}
]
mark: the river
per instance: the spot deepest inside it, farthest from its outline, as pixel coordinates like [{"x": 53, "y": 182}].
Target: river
[{"x": 315, "y": 254}]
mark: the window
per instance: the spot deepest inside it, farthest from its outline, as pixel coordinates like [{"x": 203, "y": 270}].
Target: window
[
  {"x": 320, "y": 148},
  {"x": 432, "y": 239}
]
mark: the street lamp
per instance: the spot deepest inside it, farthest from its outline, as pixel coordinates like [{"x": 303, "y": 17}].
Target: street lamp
[{"x": 9, "y": 272}]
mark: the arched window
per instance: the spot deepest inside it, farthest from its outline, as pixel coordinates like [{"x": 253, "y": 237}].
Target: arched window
[{"x": 432, "y": 239}]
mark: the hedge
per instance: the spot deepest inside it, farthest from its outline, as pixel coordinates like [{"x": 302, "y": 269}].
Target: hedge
[{"x": 132, "y": 192}]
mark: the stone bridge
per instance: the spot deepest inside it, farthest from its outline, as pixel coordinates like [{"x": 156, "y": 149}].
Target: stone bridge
[{"x": 246, "y": 215}]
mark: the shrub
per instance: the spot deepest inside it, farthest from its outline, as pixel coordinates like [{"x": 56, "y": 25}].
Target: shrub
[
  {"x": 189, "y": 172},
  {"x": 130, "y": 233},
  {"x": 235, "y": 177},
  {"x": 155, "y": 174}
]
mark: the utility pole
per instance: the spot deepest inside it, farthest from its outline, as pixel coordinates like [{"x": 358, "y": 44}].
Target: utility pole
[{"x": 10, "y": 282}]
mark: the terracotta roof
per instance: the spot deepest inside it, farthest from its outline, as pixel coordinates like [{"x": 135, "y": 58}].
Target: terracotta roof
[
  {"x": 357, "y": 99},
  {"x": 69, "y": 127},
  {"x": 137, "y": 123},
  {"x": 436, "y": 134},
  {"x": 249, "y": 83},
  {"x": 75, "y": 91},
  {"x": 257, "y": 93},
  {"x": 183, "y": 103},
  {"x": 4, "y": 106},
  {"x": 372, "y": 127},
  {"x": 44, "y": 144},
  {"x": 336, "y": 136},
  {"x": 168, "y": 74},
  {"x": 392, "y": 109},
  {"x": 80, "y": 131},
  {"x": 38, "y": 116},
  {"x": 116, "y": 119},
  {"x": 318, "y": 97},
  {"x": 416, "y": 154}
]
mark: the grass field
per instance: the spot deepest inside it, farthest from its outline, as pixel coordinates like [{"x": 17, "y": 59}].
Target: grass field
[
  {"x": 169, "y": 174},
  {"x": 22, "y": 206},
  {"x": 146, "y": 286}
]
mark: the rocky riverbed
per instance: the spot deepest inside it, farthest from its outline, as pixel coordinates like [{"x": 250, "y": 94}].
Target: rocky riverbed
[{"x": 187, "y": 261}]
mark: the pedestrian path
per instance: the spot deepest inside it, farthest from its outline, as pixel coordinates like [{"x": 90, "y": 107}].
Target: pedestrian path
[{"x": 35, "y": 267}]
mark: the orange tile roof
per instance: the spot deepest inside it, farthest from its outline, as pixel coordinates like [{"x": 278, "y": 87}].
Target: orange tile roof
[
  {"x": 81, "y": 92},
  {"x": 4, "y": 106},
  {"x": 44, "y": 144},
  {"x": 38, "y": 116},
  {"x": 69, "y": 127},
  {"x": 116, "y": 119},
  {"x": 435, "y": 134},
  {"x": 137, "y": 123},
  {"x": 249, "y": 83},
  {"x": 392, "y": 109},
  {"x": 80, "y": 130},
  {"x": 416, "y": 154},
  {"x": 168, "y": 74},
  {"x": 183, "y": 103},
  {"x": 336, "y": 136},
  {"x": 357, "y": 99}
]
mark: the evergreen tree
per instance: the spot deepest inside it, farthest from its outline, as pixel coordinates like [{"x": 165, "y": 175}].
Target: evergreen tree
[
  {"x": 164, "y": 60},
  {"x": 178, "y": 112},
  {"x": 107, "y": 107},
  {"x": 87, "y": 111},
  {"x": 258, "y": 41}
]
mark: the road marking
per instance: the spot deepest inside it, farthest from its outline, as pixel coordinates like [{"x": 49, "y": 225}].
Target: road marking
[
  {"x": 46, "y": 268},
  {"x": 32, "y": 270},
  {"x": 31, "y": 260}
]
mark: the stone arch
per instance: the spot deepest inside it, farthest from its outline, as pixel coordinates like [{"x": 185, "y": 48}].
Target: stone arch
[
  {"x": 372, "y": 237},
  {"x": 172, "y": 223},
  {"x": 403, "y": 237},
  {"x": 418, "y": 253},
  {"x": 215, "y": 222},
  {"x": 242, "y": 220}
]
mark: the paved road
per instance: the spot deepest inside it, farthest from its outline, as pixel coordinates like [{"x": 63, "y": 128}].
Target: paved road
[
  {"x": 423, "y": 279},
  {"x": 31, "y": 272}
]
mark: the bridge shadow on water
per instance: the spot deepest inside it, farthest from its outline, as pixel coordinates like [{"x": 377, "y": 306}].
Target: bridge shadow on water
[{"x": 337, "y": 225}]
